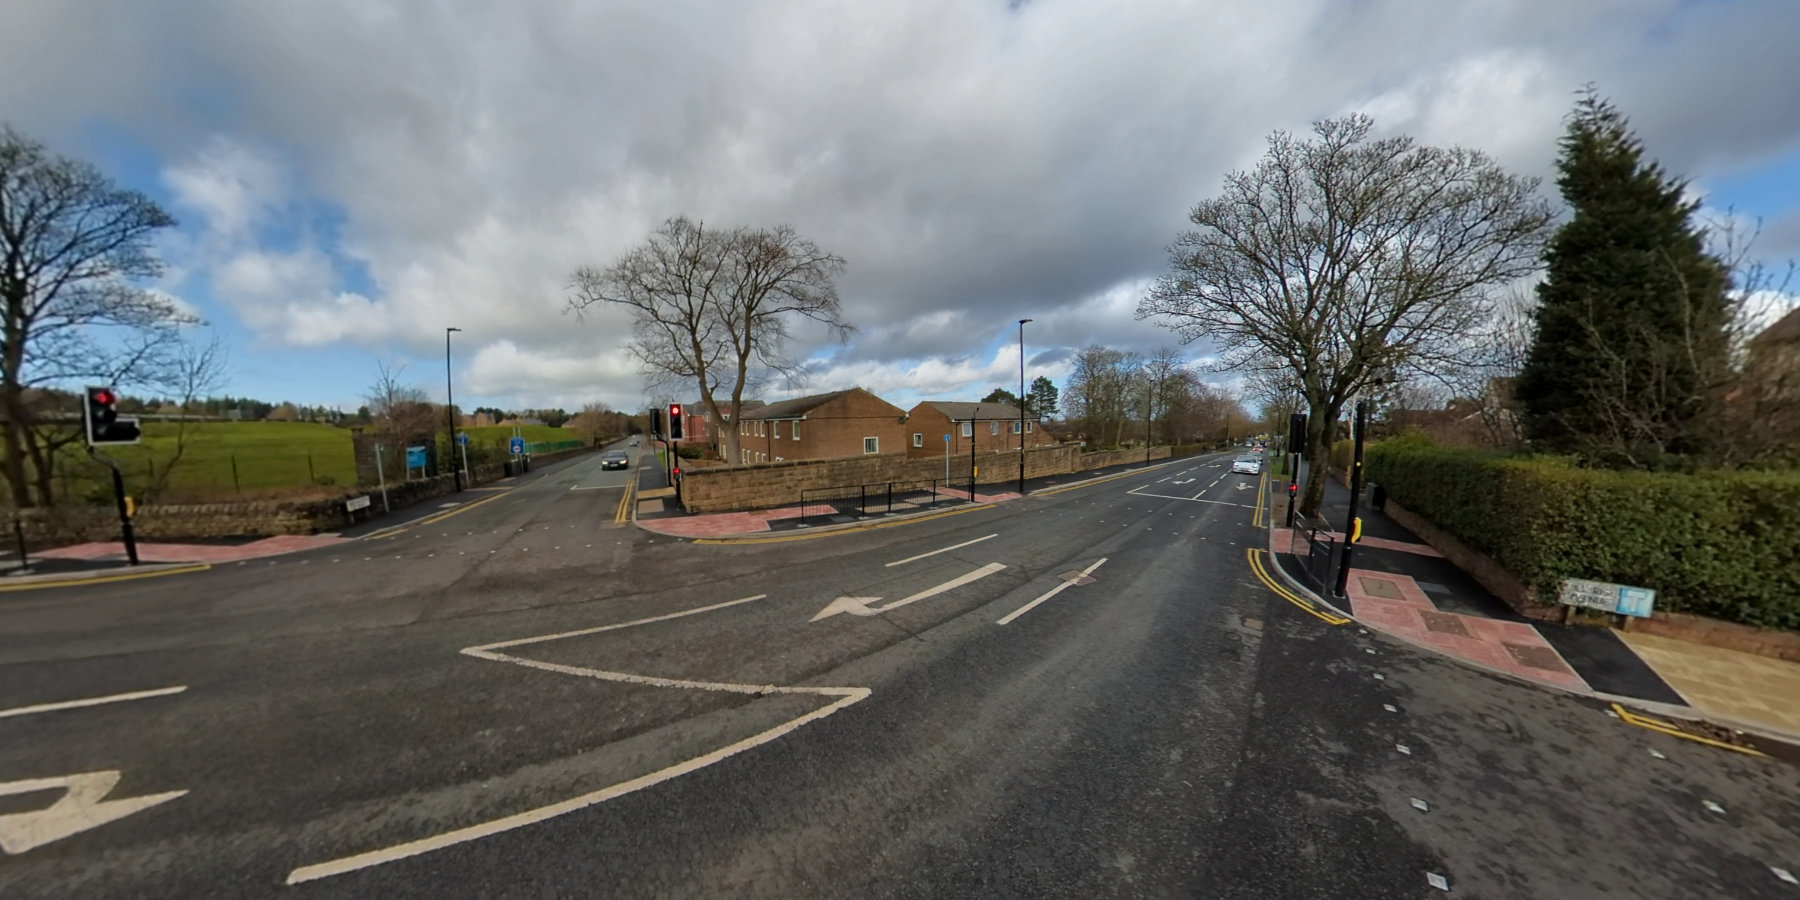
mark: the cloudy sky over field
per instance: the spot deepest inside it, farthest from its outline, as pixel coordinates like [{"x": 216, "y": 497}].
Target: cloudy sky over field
[{"x": 352, "y": 176}]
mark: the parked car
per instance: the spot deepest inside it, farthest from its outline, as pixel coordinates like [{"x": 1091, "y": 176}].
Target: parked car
[
  {"x": 1247, "y": 465},
  {"x": 615, "y": 459}
]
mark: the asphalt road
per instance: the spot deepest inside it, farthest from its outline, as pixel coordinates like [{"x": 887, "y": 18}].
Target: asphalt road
[{"x": 523, "y": 698}]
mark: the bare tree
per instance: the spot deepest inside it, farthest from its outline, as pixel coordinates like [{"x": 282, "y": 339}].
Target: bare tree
[
  {"x": 595, "y": 423},
  {"x": 713, "y": 308},
  {"x": 400, "y": 409},
  {"x": 71, "y": 247},
  {"x": 1343, "y": 259},
  {"x": 197, "y": 370},
  {"x": 1103, "y": 393}
]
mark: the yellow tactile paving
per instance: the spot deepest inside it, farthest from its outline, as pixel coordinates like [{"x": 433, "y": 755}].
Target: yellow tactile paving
[{"x": 1743, "y": 686}]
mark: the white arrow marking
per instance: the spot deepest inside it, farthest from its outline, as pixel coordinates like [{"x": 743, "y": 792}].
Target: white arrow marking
[
  {"x": 1244, "y": 487},
  {"x": 859, "y": 606},
  {"x": 1051, "y": 593},
  {"x": 76, "y": 811}
]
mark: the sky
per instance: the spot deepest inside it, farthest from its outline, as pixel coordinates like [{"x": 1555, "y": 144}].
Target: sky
[{"x": 354, "y": 176}]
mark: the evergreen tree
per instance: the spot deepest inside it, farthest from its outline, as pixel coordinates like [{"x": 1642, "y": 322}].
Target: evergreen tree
[
  {"x": 1631, "y": 348},
  {"x": 1042, "y": 398}
]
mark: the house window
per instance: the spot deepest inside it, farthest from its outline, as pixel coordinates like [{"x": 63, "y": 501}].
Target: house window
[
  {"x": 1015, "y": 428},
  {"x": 759, "y": 429},
  {"x": 775, "y": 429},
  {"x": 871, "y": 445},
  {"x": 796, "y": 429},
  {"x": 918, "y": 439},
  {"x": 993, "y": 428},
  {"x": 1027, "y": 427},
  {"x": 968, "y": 429}
]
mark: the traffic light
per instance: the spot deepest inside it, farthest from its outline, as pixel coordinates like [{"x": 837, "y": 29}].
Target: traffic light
[
  {"x": 655, "y": 422},
  {"x": 100, "y": 409},
  {"x": 674, "y": 421}
]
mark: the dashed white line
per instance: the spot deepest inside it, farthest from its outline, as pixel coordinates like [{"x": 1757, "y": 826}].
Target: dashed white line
[
  {"x": 91, "y": 701},
  {"x": 1047, "y": 595},
  {"x": 902, "y": 562}
]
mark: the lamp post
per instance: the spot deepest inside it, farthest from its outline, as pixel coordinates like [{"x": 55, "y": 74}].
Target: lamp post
[
  {"x": 974, "y": 418},
  {"x": 1022, "y": 406},
  {"x": 450, "y": 408}
]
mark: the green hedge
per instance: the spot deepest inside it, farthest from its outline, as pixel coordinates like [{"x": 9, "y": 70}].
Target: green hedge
[{"x": 1721, "y": 544}]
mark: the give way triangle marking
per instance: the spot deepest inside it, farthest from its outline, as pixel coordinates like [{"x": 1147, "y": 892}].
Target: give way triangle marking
[
  {"x": 859, "y": 606},
  {"x": 76, "y": 811}
]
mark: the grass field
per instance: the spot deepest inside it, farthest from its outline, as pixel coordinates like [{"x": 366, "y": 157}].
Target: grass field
[
  {"x": 232, "y": 460},
  {"x": 222, "y": 459}
]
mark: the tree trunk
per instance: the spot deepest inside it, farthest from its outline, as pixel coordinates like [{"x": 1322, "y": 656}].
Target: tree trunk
[
  {"x": 1320, "y": 420},
  {"x": 12, "y": 438}
]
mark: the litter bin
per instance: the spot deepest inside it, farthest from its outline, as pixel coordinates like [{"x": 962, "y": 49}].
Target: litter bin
[{"x": 1377, "y": 496}]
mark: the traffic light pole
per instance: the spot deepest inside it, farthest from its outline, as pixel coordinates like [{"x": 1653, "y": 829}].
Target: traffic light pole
[{"x": 118, "y": 480}]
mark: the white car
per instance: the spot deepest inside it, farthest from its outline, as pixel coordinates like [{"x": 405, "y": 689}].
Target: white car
[{"x": 1247, "y": 465}]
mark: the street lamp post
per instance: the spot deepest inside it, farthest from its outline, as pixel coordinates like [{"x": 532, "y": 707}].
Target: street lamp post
[
  {"x": 450, "y": 408},
  {"x": 1022, "y": 406},
  {"x": 974, "y": 419}
]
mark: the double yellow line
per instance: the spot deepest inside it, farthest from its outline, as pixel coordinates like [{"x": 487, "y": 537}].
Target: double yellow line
[
  {"x": 1661, "y": 727},
  {"x": 1327, "y": 616},
  {"x": 102, "y": 579},
  {"x": 623, "y": 514}
]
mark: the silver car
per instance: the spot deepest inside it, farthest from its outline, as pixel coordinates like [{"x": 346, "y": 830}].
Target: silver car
[{"x": 1247, "y": 465}]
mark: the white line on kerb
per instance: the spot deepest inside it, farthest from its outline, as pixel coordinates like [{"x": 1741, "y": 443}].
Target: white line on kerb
[
  {"x": 91, "y": 701},
  {"x": 845, "y": 696},
  {"x": 902, "y": 562},
  {"x": 1047, "y": 595}
]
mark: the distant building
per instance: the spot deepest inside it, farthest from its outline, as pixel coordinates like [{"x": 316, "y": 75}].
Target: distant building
[
  {"x": 850, "y": 422},
  {"x": 992, "y": 427}
]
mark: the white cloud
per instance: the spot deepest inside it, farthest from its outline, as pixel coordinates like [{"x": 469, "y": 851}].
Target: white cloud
[{"x": 974, "y": 164}]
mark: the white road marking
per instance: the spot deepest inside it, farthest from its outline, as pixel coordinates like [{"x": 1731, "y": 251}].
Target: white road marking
[
  {"x": 91, "y": 701},
  {"x": 1194, "y": 499},
  {"x": 902, "y": 562},
  {"x": 845, "y": 697},
  {"x": 1047, "y": 595},
  {"x": 858, "y": 606},
  {"x": 82, "y": 807}
]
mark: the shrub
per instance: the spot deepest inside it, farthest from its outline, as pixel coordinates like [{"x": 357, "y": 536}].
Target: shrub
[{"x": 1720, "y": 544}]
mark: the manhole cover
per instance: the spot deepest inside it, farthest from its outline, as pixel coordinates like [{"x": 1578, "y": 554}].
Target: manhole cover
[
  {"x": 1536, "y": 657},
  {"x": 1444, "y": 623},
  {"x": 1380, "y": 587}
]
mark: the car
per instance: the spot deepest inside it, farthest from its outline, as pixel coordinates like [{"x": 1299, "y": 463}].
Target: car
[
  {"x": 1247, "y": 465},
  {"x": 634, "y": 442},
  {"x": 615, "y": 459}
]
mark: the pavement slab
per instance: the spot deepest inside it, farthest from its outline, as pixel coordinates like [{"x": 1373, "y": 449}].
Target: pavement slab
[{"x": 1751, "y": 689}]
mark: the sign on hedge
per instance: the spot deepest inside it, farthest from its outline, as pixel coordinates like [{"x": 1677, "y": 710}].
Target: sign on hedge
[{"x": 1606, "y": 597}]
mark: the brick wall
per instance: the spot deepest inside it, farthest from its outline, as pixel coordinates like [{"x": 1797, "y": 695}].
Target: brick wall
[{"x": 727, "y": 488}]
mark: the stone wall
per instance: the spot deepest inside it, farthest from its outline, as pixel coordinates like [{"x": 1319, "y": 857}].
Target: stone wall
[{"x": 764, "y": 485}]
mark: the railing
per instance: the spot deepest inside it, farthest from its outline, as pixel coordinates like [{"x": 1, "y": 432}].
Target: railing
[
  {"x": 879, "y": 498},
  {"x": 1321, "y": 553}
]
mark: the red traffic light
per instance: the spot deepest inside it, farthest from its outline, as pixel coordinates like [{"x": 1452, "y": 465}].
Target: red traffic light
[
  {"x": 104, "y": 397},
  {"x": 1294, "y": 488},
  {"x": 674, "y": 410}
]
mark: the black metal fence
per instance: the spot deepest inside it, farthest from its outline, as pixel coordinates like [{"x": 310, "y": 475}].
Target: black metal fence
[
  {"x": 1321, "y": 554},
  {"x": 880, "y": 498}
]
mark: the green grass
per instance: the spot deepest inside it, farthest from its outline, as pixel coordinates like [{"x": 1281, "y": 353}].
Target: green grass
[{"x": 267, "y": 455}]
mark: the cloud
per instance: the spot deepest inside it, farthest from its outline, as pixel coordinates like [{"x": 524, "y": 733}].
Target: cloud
[{"x": 975, "y": 162}]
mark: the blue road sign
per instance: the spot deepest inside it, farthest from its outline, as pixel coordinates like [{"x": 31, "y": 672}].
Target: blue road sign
[
  {"x": 462, "y": 437},
  {"x": 946, "y": 439},
  {"x": 516, "y": 445},
  {"x": 415, "y": 457}
]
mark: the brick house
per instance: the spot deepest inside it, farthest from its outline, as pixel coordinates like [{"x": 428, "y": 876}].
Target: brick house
[
  {"x": 994, "y": 427},
  {"x": 851, "y": 422}
]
